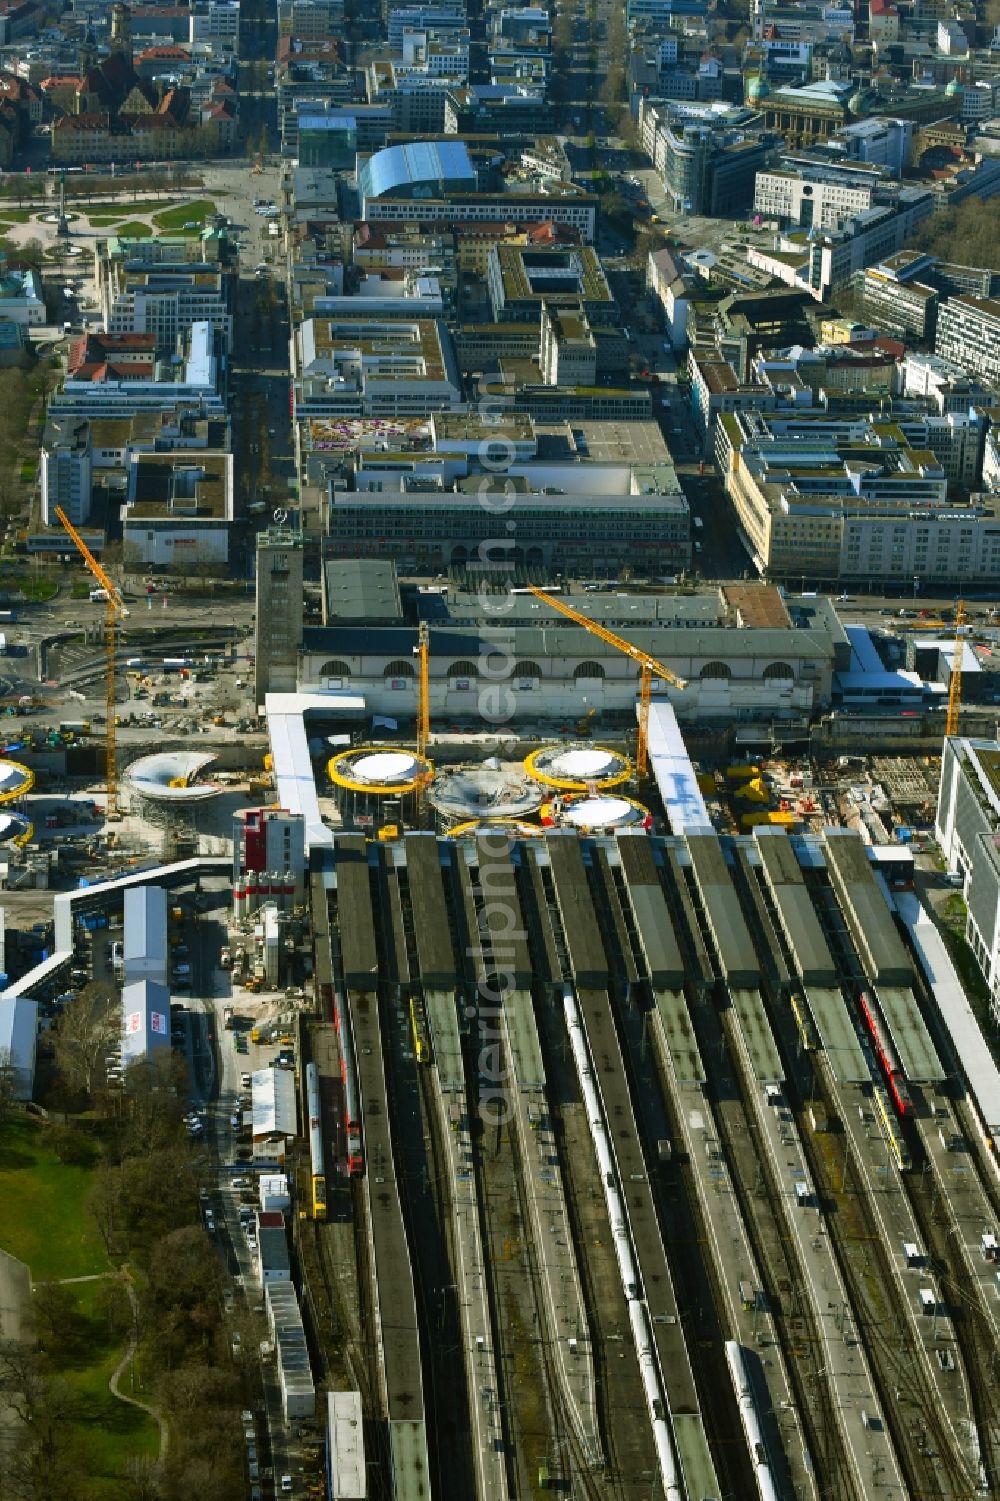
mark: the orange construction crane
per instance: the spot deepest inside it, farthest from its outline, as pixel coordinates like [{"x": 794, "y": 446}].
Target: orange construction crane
[
  {"x": 649, "y": 667},
  {"x": 114, "y": 611},
  {"x": 955, "y": 686},
  {"x": 424, "y": 698}
]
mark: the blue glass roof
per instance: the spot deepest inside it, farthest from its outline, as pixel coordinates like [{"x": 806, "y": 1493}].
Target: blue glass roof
[{"x": 416, "y": 162}]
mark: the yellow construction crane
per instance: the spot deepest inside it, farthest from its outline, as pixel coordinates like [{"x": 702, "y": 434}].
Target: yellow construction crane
[
  {"x": 649, "y": 667},
  {"x": 114, "y": 611},
  {"x": 424, "y": 688},
  {"x": 955, "y": 686}
]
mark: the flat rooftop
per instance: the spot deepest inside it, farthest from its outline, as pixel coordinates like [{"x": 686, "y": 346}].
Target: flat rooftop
[
  {"x": 628, "y": 442},
  {"x": 181, "y": 486}
]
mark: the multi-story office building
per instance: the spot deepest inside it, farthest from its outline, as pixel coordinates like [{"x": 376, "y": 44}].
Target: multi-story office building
[
  {"x": 562, "y": 204},
  {"x": 519, "y": 278},
  {"x": 216, "y": 22},
  {"x": 820, "y": 200},
  {"x": 427, "y": 527},
  {"x": 850, "y": 500},
  {"x": 515, "y": 111},
  {"x": 825, "y": 260},
  {"x": 179, "y": 511},
  {"x": 325, "y": 135},
  {"x": 967, "y": 826},
  {"x": 568, "y": 351},
  {"x": 165, "y": 300},
  {"x": 310, "y": 20},
  {"x": 279, "y": 611},
  {"x": 21, "y": 298},
  {"x": 708, "y": 161},
  {"x": 347, "y": 367},
  {"x": 99, "y": 388},
  {"x": 66, "y": 469},
  {"x": 894, "y": 299},
  {"x": 968, "y": 333}
]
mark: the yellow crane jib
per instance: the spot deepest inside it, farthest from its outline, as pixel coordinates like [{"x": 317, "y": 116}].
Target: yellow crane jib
[
  {"x": 115, "y": 610},
  {"x": 649, "y": 667}
]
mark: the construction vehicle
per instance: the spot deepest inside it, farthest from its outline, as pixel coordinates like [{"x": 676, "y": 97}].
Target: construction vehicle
[
  {"x": 649, "y": 667},
  {"x": 115, "y": 610},
  {"x": 955, "y": 685}
]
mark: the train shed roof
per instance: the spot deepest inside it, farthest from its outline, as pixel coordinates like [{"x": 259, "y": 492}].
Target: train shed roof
[
  {"x": 576, "y": 909},
  {"x": 879, "y": 945},
  {"x": 435, "y": 954},
  {"x": 722, "y": 911}
]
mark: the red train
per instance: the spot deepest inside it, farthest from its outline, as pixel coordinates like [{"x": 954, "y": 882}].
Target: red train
[
  {"x": 352, "y": 1097},
  {"x": 895, "y": 1078}
]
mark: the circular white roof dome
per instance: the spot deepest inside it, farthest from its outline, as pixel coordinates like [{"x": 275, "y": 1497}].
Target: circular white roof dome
[
  {"x": 599, "y": 812},
  {"x": 385, "y": 766},
  {"x": 583, "y": 764}
]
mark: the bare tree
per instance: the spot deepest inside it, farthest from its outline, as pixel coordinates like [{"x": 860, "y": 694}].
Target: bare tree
[
  {"x": 87, "y": 1029},
  {"x": 9, "y": 1083},
  {"x": 106, "y": 1204}
]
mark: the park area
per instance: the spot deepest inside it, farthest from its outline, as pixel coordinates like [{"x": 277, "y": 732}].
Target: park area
[{"x": 82, "y": 1326}]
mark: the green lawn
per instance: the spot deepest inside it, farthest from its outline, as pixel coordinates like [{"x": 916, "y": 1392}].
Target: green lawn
[
  {"x": 110, "y": 1432},
  {"x": 174, "y": 219},
  {"x": 134, "y": 229},
  {"x": 36, "y": 586},
  {"x": 45, "y": 1221}
]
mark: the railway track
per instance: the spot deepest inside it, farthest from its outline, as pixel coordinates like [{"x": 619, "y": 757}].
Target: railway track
[
  {"x": 794, "y": 1316},
  {"x": 973, "y": 1328},
  {"x": 894, "y": 1378},
  {"x": 695, "y": 1275},
  {"x": 427, "y": 1210},
  {"x": 618, "y": 1479},
  {"x": 363, "y": 1359},
  {"x": 562, "y": 1443}
]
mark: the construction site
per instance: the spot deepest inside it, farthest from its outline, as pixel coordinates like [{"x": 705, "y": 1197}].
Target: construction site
[{"x": 640, "y": 1136}]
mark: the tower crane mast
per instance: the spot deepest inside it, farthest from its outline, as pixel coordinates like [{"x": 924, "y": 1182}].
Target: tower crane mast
[
  {"x": 955, "y": 684},
  {"x": 115, "y": 610},
  {"x": 649, "y": 667},
  {"x": 424, "y": 689}
]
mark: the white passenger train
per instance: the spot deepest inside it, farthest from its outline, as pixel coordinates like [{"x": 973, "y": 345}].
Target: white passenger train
[
  {"x": 649, "y": 1366},
  {"x": 749, "y": 1417}
]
